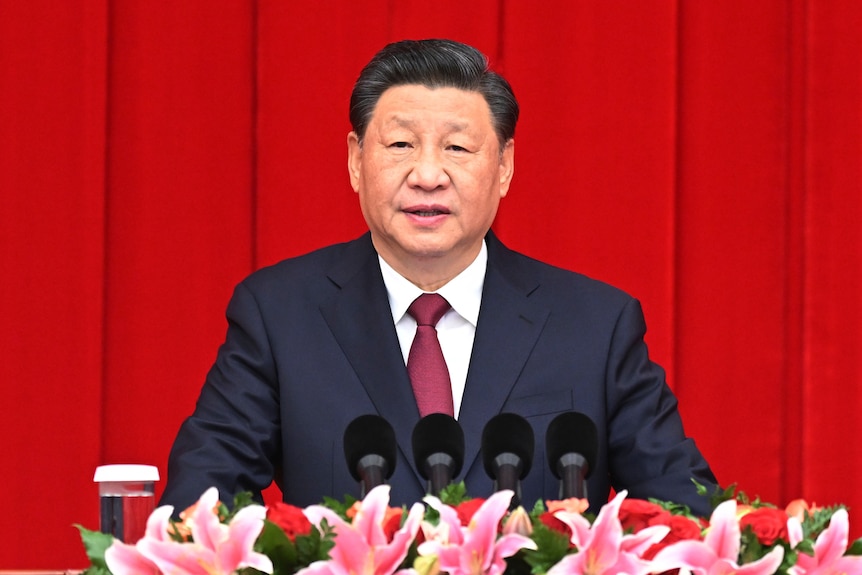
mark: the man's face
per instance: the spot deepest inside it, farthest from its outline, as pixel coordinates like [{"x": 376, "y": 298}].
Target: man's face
[{"x": 430, "y": 175}]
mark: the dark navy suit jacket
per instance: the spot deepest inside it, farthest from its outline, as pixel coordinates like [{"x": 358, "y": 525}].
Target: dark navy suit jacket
[{"x": 311, "y": 345}]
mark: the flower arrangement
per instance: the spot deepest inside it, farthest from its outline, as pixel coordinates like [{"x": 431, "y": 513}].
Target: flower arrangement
[{"x": 461, "y": 536}]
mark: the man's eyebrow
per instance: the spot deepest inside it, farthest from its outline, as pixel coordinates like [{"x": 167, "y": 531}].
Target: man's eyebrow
[{"x": 451, "y": 125}]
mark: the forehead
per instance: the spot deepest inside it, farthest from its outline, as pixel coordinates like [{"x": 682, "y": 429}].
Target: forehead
[{"x": 413, "y": 103}]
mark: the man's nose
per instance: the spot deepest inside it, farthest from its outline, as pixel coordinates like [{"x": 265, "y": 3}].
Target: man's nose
[{"x": 428, "y": 172}]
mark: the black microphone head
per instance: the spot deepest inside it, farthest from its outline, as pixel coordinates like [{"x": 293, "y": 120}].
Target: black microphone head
[
  {"x": 507, "y": 433},
  {"x": 438, "y": 433},
  {"x": 571, "y": 432},
  {"x": 369, "y": 435}
]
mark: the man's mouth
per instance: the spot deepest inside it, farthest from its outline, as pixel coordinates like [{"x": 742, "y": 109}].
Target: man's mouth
[{"x": 427, "y": 211}]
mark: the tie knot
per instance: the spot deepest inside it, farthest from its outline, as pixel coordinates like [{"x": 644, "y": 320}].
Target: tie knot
[{"x": 428, "y": 308}]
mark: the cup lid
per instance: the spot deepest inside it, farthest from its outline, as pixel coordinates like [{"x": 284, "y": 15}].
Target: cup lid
[{"x": 126, "y": 472}]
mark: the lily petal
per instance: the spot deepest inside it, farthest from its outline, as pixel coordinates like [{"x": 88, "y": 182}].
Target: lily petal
[
  {"x": 766, "y": 565},
  {"x": 123, "y": 559},
  {"x": 207, "y": 530},
  {"x": 832, "y": 542},
  {"x": 723, "y": 533},
  {"x": 361, "y": 547}
]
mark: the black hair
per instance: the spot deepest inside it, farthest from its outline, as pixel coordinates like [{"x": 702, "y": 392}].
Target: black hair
[{"x": 434, "y": 64}]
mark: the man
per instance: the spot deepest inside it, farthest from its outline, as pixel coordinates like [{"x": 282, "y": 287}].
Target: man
[{"x": 316, "y": 341}]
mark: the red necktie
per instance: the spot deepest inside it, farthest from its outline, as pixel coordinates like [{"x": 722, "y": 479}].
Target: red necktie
[{"x": 425, "y": 364}]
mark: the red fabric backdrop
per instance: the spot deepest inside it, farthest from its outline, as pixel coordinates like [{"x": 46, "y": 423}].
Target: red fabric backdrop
[{"x": 705, "y": 156}]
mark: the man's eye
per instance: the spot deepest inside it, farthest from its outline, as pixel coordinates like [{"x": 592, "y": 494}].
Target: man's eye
[
  {"x": 455, "y": 148},
  {"x": 399, "y": 145}
]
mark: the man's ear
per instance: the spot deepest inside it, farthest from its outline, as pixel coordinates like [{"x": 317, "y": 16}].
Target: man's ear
[
  {"x": 354, "y": 159},
  {"x": 507, "y": 167}
]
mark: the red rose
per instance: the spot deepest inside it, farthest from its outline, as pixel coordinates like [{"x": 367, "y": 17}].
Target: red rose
[
  {"x": 290, "y": 518},
  {"x": 681, "y": 527},
  {"x": 466, "y": 509},
  {"x": 767, "y": 523},
  {"x": 635, "y": 514},
  {"x": 570, "y": 505},
  {"x": 547, "y": 518},
  {"x": 392, "y": 522}
]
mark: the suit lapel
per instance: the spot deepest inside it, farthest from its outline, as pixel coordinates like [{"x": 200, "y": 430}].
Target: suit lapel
[
  {"x": 361, "y": 321},
  {"x": 509, "y": 326}
]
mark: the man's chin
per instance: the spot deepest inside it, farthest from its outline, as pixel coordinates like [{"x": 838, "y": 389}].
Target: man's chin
[
  {"x": 426, "y": 253},
  {"x": 429, "y": 252},
  {"x": 421, "y": 247}
]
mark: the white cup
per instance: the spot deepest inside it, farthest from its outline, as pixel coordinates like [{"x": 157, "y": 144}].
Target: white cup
[{"x": 126, "y": 499}]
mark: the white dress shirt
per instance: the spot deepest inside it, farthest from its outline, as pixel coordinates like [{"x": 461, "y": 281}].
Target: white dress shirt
[{"x": 455, "y": 330}]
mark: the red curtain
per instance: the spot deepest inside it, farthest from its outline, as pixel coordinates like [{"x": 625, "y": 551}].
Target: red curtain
[{"x": 704, "y": 156}]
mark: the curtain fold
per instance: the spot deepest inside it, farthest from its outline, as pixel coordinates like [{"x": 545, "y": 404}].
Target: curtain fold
[
  {"x": 705, "y": 157},
  {"x": 52, "y": 243}
]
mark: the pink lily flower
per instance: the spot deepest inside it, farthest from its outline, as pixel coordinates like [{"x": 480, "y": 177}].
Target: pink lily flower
[
  {"x": 217, "y": 549},
  {"x": 718, "y": 553},
  {"x": 602, "y": 547},
  {"x": 122, "y": 558},
  {"x": 518, "y": 522},
  {"x": 829, "y": 548},
  {"x": 361, "y": 547},
  {"x": 475, "y": 549}
]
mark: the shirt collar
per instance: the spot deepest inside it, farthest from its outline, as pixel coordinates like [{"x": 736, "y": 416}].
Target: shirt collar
[{"x": 463, "y": 292}]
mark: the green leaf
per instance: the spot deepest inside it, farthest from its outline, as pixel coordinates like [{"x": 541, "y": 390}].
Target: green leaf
[
  {"x": 805, "y": 546},
  {"x": 243, "y": 499},
  {"x": 674, "y": 508},
  {"x": 538, "y": 509},
  {"x": 718, "y": 495},
  {"x": 552, "y": 547},
  {"x": 750, "y": 548},
  {"x": 789, "y": 560},
  {"x": 340, "y": 507},
  {"x": 95, "y": 544},
  {"x": 855, "y": 548},
  {"x": 174, "y": 532},
  {"x": 288, "y": 556},
  {"x": 454, "y": 494},
  {"x": 316, "y": 545},
  {"x": 815, "y": 523},
  {"x": 273, "y": 543}
]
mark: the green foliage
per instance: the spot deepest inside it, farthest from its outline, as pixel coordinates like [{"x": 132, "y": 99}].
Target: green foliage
[
  {"x": 95, "y": 544},
  {"x": 751, "y": 549},
  {"x": 273, "y": 542},
  {"x": 454, "y": 494},
  {"x": 316, "y": 545},
  {"x": 674, "y": 508},
  {"x": 241, "y": 500},
  {"x": 288, "y": 556},
  {"x": 537, "y": 510},
  {"x": 552, "y": 547},
  {"x": 340, "y": 507},
  {"x": 717, "y": 495},
  {"x": 816, "y": 522}
]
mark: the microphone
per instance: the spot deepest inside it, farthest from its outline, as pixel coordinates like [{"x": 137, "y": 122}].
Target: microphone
[
  {"x": 507, "y": 452},
  {"x": 438, "y": 450},
  {"x": 572, "y": 443},
  {"x": 369, "y": 446}
]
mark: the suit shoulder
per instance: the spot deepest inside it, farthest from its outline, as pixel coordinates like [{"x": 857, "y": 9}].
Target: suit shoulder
[
  {"x": 310, "y": 267},
  {"x": 557, "y": 281}
]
